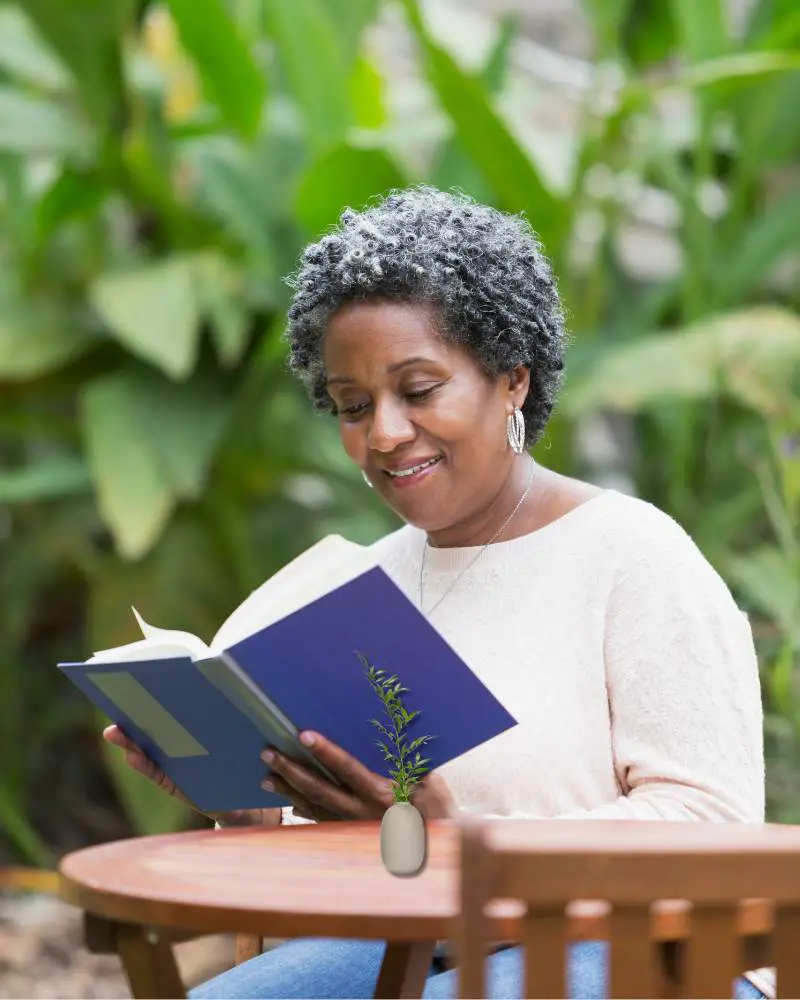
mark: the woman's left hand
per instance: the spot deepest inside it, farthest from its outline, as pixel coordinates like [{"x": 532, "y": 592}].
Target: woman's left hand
[{"x": 363, "y": 795}]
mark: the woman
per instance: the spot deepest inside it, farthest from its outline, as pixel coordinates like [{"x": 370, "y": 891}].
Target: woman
[{"x": 431, "y": 328}]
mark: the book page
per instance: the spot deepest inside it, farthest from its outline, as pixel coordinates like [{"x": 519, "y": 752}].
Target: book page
[
  {"x": 158, "y": 644},
  {"x": 328, "y": 564}
]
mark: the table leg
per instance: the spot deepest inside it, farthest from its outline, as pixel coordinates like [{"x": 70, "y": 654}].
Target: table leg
[
  {"x": 404, "y": 969},
  {"x": 247, "y": 947},
  {"x": 146, "y": 956},
  {"x": 669, "y": 968}
]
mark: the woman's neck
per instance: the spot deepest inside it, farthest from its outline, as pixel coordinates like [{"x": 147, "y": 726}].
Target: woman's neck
[{"x": 482, "y": 525}]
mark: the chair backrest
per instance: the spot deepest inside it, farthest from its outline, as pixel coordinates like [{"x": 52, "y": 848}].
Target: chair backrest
[{"x": 546, "y": 865}]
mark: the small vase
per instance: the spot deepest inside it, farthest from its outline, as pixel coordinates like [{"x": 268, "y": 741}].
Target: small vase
[{"x": 403, "y": 840}]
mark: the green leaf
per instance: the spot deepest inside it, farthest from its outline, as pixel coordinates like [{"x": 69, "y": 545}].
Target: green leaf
[
  {"x": 230, "y": 75},
  {"x": 228, "y": 187},
  {"x": 771, "y": 584},
  {"x": 87, "y": 36},
  {"x": 770, "y": 237},
  {"x": 366, "y": 92},
  {"x": 609, "y": 18},
  {"x": 35, "y": 341},
  {"x": 489, "y": 141},
  {"x": 742, "y": 68},
  {"x": 134, "y": 493},
  {"x": 314, "y": 65},
  {"x": 351, "y": 17},
  {"x": 170, "y": 436},
  {"x": 702, "y": 28},
  {"x": 183, "y": 425},
  {"x": 494, "y": 73},
  {"x": 780, "y": 679},
  {"x": 38, "y": 126},
  {"x": 345, "y": 175},
  {"x": 154, "y": 311},
  {"x": 73, "y": 194},
  {"x": 748, "y": 354},
  {"x": 773, "y": 24},
  {"x": 16, "y": 827},
  {"x": 47, "y": 479},
  {"x": 455, "y": 167},
  {"x": 23, "y": 55},
  {"x": 219, "y": 287}
]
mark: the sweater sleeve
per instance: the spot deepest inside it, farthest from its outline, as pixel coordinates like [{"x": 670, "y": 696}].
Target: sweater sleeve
[{"x": 683, "y": 686}]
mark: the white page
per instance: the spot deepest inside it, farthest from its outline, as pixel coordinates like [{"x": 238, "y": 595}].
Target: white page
[
  {"x": 144, "y": 649},
  {"x": 158, "y": 644},
  {"x": 324, "y": 567}
]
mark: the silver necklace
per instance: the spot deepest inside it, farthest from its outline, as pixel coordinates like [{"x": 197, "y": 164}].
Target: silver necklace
[{"x": 480, "y": 552}]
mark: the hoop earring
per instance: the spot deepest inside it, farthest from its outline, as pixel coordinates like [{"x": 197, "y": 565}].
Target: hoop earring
[
  {"x": 515, "y": 431},
  {"x": 366, "y": 479}
]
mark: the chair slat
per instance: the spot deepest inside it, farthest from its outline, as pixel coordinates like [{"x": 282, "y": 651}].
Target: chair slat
[
  {"x": 633, "y": 968},
  {"x": 545, "y": 946},
  {"x": 713, "y": 952},
  {"x": 786, "y": 950},
  {"x": 471, "y": 926}
]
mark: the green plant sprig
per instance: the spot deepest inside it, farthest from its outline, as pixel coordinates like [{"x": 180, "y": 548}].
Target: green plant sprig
[{"x": 408, "y": 766}]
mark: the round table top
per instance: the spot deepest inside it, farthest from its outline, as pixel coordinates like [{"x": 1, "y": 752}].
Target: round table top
[{"x": 316, "y": 880}]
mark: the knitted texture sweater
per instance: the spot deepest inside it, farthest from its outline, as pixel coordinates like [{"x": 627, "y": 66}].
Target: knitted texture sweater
[{"x": 621, "y": 653}]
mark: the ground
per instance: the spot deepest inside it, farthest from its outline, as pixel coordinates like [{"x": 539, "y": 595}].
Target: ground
[{"x": 42, "y": 954}]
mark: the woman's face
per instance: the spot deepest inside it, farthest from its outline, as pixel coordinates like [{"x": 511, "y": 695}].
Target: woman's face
[{"x": 418, "y": 414}]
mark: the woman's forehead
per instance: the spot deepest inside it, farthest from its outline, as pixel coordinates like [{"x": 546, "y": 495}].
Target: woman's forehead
[{"x": 388, "y": 332}]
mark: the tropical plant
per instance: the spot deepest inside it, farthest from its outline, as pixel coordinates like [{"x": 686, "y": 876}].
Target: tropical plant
[{"x": 161, "y": 164}]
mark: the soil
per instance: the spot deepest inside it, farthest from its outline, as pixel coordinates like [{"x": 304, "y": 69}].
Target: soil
[{"x": 42, "y": 954}]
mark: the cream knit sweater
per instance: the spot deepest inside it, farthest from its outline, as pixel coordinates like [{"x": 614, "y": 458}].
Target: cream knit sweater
[{"x": 622, "y": 655}]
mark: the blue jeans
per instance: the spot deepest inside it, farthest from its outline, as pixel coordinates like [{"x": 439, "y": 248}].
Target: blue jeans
[{"x": 334, "y": 969}]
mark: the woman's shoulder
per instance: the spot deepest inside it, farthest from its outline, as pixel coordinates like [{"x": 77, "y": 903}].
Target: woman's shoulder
[
  {"x": 579, "y": 513},
  {"x": 649, "y": 547},
  {"x": 643, "y": 526}
]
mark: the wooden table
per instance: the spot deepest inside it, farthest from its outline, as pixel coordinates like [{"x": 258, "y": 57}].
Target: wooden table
[{"x": 299, "y": 881}]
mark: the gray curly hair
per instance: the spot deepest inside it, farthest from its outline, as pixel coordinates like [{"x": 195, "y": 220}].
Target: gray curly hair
[{"x": 484, "y": 272}]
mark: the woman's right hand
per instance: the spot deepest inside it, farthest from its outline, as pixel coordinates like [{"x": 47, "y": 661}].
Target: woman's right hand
[{"x": 136, "y": 758}]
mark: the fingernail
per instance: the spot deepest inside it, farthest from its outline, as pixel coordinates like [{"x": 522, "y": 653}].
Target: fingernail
[
  {"x": 268, "y": 756},
  {"x": 308, "y": 739},
  {"x": 268, "y": 786}
]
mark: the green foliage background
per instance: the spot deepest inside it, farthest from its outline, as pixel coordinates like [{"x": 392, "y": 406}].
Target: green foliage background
[{"x": 161, "y": 165}]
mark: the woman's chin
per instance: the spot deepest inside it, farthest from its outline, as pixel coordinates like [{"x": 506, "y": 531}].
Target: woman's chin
[{"x": 423, "y": 513}]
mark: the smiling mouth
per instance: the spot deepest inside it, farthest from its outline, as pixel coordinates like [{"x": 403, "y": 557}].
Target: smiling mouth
[{"x": 414, "y": 469}]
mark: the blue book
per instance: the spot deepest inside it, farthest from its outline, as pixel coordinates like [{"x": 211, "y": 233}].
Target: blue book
[{"x": 288, "y": 660}]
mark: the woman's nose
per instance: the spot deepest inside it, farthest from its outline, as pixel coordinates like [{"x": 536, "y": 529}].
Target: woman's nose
[{"x": 389, "y": 428}]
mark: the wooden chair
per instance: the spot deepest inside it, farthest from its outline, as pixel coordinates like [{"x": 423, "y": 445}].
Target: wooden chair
[{"x": 631, "y": 866}]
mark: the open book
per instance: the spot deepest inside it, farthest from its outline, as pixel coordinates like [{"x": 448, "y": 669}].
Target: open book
[{"x": 286, "y": 660}]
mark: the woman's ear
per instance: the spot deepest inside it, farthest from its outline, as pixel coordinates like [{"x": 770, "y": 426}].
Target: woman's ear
[{"x": 519, "y": 383}]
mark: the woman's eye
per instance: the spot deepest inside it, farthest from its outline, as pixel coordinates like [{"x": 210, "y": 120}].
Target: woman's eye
[
  {"x": 417, "y": 395},
  {"x": 353, "y": 411}
]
